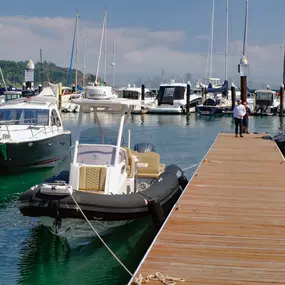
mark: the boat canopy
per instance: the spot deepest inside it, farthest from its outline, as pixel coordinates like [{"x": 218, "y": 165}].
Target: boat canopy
[{"x": 223, "y": 89}]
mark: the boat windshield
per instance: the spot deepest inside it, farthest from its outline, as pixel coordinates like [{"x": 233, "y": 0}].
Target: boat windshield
[
  {"x": 264, "y": 96},
  {"x": 135, "y": 94},
  {"x": 167, "y": 94},
  {"x": 24, "y": 117},
  {"x": 130, "y": 94}
]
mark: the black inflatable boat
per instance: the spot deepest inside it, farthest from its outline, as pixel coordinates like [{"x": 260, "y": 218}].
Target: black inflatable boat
[{"x": 58, "y": 206}]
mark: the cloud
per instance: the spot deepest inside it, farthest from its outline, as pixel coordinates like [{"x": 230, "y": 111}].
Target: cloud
[{"x": 139, "y": 51}]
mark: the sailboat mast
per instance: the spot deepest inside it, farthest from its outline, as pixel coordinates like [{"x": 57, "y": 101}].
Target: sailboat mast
[
  {"x": 84, "y": 58},
  {"x": 284, "y": 66},
  {"x": 105, "y": 47},
  {"x": 113, "y": 63},
  {"x": 227, "y": 40},
  {"x": 100, "y": 51},
  {"x": 71, "y": 57},
  {"x": 76, "y": 52},
  {"x": 244, "y": 51},
  {"x": 212, "y": 38}
]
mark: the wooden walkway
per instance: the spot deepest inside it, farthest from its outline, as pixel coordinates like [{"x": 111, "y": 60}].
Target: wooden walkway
[{"x": 230, "y": 228}]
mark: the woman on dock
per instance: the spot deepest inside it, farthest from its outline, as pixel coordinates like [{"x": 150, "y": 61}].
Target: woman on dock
[{"x": 245, "y": 119}]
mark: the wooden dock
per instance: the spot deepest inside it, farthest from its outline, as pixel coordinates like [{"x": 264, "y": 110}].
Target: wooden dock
[{"x": 230, "y": 227}]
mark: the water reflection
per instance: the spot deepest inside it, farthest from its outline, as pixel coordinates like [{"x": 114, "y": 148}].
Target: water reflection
[{"x": 44, "y": 260}]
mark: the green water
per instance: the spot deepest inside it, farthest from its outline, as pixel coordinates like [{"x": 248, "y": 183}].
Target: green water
[{"x": 30, "y": 255}]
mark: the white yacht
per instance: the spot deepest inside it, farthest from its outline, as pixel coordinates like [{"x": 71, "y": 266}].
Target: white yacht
[
  {"x": 32, "y": 133},
  {"x": 136, "y": 93},
  {"x": 171, "y": 99}
]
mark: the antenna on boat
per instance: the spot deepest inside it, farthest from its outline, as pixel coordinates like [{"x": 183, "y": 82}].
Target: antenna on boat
[{"x": 101, "y": 43}]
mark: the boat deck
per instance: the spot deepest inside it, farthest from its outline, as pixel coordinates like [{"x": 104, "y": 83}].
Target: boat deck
[{"x": 230, "y": 226}]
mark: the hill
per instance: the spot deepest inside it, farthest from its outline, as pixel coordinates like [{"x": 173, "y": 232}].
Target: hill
[{"x": 14, "y": 73}]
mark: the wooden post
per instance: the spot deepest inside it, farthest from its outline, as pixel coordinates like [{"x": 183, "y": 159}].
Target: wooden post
[
  {"x": 233, "y": 92},
  {"x": 59, "y": 96},
  {"x": 281, "y": 100},
  {"x": 142, "y": 91},
  {"x": 204, "y": 90},
  {"x": 142, "y": 94},
  {"x": 188, "y": 89},
  {"x": 243, "y": 70}
]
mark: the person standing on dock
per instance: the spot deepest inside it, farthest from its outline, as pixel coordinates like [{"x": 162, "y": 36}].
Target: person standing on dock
[
  {"x": 245, "y": 118},
  {"x": 239, "y": 112}
]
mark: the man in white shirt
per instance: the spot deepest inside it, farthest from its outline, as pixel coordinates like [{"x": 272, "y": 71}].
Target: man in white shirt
[{"x": 239, "y": 112}]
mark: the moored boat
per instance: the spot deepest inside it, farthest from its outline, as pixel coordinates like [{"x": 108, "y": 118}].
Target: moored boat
[
  {"x": 32, "y": 134},
  {"x": 110, "y": 183}
]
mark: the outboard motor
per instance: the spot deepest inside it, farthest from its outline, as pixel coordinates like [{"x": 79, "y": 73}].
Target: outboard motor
[{"x": 144, "y": 147}]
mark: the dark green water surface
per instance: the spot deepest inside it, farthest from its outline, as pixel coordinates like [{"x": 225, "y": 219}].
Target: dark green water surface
[{"x": 30, "y": 255}]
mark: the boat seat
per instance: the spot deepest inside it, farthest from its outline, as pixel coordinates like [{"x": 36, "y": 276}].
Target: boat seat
[
  {"x": 92, "y": 178},
  {"x": 154, "y": 167},
  {"x": 130, "y": 163}
]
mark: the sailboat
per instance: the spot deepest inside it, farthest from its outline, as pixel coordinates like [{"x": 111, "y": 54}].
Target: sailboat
[
  {"x": 101, "y": 90},
  {"x": 71, "y": 93},
  {"x": 217, "y": 101}
]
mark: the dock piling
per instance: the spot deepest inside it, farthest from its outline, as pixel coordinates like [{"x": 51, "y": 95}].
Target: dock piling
[
  {"x": 143, "y": 94},
  {"x": 233, "y": 93},
  {"x": 188, "y": 98},
  {"x": 281, "y": 100}
]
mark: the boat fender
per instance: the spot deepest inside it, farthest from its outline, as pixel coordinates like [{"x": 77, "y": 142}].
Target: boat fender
[
  {"x": 156, "y": 211},
  {"x": 183, "y": 181}
]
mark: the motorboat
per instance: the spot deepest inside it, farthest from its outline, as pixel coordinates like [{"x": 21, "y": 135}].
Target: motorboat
[
  {"x": 266, "y": 103},
  {"x": 149, "y": 98},
  {"x": 171, "y": 99},
  {"x": 217, "y": 101},
  {"x": 112, "y": 184},
  {"x": 32, "y": 133}
]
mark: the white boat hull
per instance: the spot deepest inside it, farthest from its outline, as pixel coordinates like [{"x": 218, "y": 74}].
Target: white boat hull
[
  {"x": 165, "y": 110},
  {"x": 77, "y": 232}
]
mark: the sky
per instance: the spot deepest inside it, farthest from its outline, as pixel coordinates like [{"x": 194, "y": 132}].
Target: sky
[{"x": 150, "y": 35}]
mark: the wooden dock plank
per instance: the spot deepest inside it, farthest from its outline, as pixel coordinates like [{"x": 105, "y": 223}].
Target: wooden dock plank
[{"x": 230, "y": 226}]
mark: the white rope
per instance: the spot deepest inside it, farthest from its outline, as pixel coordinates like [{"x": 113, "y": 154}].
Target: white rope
[
  {"x": 109, "y": 249},
  {"x": 191, "y": 166},
  {"x": 164, "y": 279},
  {"x": 158, "y": 276}
]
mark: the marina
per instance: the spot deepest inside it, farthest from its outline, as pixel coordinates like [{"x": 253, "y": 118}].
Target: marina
[
  {"x": 227, "y": 227},
  {"x": 138, "y": 149}
]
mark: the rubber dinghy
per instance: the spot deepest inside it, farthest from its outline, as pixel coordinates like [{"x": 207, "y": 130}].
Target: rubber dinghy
[{"x": 112, "y": 184}]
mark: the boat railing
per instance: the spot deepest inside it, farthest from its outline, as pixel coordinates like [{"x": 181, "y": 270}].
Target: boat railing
[{"x": 35, "y": 128}]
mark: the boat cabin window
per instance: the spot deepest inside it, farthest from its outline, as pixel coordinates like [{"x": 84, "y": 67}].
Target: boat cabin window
[
  {"x": 264, "y": 96},
  {"x": 130, "y": 94},
  {"x": 167, "y": 94},
  {"x": 55, "y": 121},
  {"x": 24, "y": 117}
]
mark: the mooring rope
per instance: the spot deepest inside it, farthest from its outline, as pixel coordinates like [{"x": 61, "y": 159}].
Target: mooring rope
[
  {"x": 191, "y": 166},
  {"x": 109, "y": 249},
  {"x": 158, "y": 276},
  {"x": 164, "y": 279}
]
